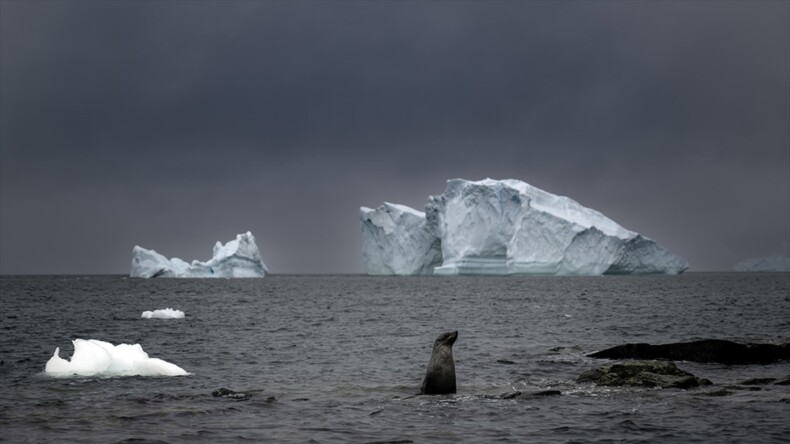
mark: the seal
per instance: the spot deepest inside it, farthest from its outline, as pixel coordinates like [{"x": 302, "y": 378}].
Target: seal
[{"x": 440, "y": 376}]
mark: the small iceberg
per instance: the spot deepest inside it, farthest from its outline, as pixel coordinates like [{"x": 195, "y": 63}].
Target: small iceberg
[
  {"x": 93, "y": 357},
  {"x": 165, "y": 313},
  {"x": 238, "y": 258}
]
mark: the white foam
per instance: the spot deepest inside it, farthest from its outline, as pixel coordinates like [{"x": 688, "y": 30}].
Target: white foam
[
  {"x": 165, "y": 313},
  {"x": 93, "y": 357}
]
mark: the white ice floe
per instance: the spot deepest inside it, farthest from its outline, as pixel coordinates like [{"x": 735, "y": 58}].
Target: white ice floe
[
  {"x": 94, "y": 357},
  {"x": 239, "y": 258},
  {"x": 165, "y": 313}
]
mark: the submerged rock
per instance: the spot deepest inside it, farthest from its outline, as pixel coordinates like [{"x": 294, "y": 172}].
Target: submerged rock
[
  {"x": 227, "y": 393},
  {"x": 521, "y": 395},
  {"x": 785, "y": 381},
  {"x": 758, "y": 381},
  {"x": 540, "y": 394},
  {"x": 662, "y": 374},
  {"x": 708, "y": 350}
]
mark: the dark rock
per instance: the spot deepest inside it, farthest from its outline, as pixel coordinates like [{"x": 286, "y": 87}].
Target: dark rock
[
  {"x": 708, "y": 350},
  {"x": 510, "y": 395},
  {"x": 745, "y": 388},
  {"x": 540, "y": 394},
  {"x": 758, "y": 381},
  {"x": 642, "y": 374},
  {"x": 785, "y": 381},
  {"x": 720, "y": 392},
  {"x": 227, "y": 393},
  {"x": 545, "y": 393}
]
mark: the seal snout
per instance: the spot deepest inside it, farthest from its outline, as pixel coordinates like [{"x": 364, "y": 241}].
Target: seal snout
[{"x": 447, "y": 339}]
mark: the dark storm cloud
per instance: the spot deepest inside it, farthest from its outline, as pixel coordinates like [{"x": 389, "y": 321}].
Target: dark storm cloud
[{"x": 175, "y": 124}]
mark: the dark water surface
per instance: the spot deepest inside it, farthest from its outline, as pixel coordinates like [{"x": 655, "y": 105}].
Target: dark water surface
[{"x": 342, "y": 354}]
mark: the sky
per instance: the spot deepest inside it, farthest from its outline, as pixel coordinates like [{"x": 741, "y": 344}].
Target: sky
[{"x": 175, "y": 124}]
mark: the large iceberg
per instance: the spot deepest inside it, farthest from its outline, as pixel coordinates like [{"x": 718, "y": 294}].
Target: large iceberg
[
  {"x": 509, "y": 227},
  {"x": 238, "y": 258},
  {"x": 396, "y": 240},
  {"x": 770, "y": 263}
]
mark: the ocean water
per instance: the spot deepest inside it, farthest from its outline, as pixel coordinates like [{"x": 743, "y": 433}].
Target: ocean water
[{"x": 338, "y": 358}]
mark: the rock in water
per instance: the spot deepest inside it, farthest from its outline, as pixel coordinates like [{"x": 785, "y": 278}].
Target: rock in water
[
  {"x": 538, "y": 394},
  {"x": 708, "y": 350},
  {"x": 506, "y": 227},
  {"x": 222, "y": 392},
  {"x": 440, "y": 375},
  {"x": 396, "y": 240},
  {"x": 662, "y": 374},
  {"x": 236, "y": 259}
]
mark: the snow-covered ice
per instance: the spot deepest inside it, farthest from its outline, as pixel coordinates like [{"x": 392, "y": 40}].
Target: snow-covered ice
[
  {"x": 770, "y": 263},
  {"x": 395, "y": 240},
  {"x": 165, "y": 313},
  {"x": 236, "y": 259},
  {"x": 510, "y": 227},
  {"x": 94, "y": 357}
]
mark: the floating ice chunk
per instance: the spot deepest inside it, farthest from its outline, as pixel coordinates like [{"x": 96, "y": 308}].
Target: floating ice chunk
[
  {"x": 236, "y": 259},
  {"x": 165, "y": 313},
  {"x": 92, "y": 357}
]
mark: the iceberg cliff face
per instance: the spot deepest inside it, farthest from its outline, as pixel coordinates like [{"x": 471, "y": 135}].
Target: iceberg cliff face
[
  {"x": 396, "y": 240},
  {"x": 237, "y": 258},
  {"x": 510, "y": 227}
]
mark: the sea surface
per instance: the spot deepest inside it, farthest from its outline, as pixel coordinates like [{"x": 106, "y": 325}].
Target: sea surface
[{"x": 337, "y": 358}]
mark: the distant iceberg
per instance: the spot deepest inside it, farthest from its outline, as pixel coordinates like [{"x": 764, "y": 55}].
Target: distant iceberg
[
  {"x": 770, "y": 263},
  {"x": 505, "y": 227},
  {"x": 165, "y": 313},
  {"x": 94, "y": 357},
  {"x": 239, "y": 258}
]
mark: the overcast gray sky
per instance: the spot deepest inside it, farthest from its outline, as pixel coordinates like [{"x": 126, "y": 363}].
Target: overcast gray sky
[{"x": 175, "y": 124}]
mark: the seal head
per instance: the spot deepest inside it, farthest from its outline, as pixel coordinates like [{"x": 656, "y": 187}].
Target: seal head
[{"x": 440, "y": 376}]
